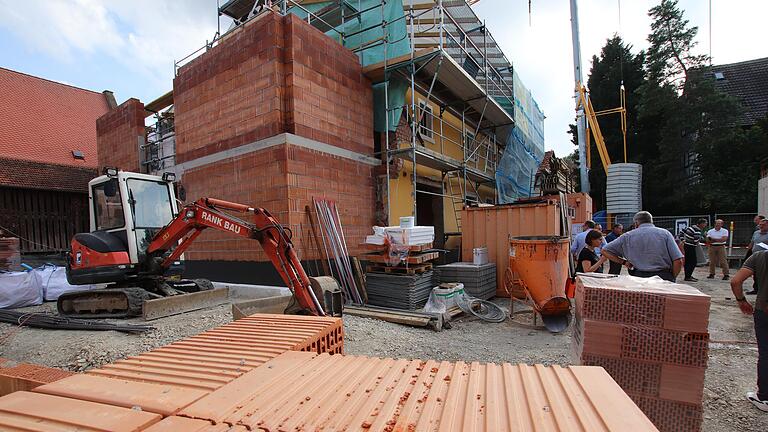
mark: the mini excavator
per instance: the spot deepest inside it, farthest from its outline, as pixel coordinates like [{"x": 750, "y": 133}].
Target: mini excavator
[{"x": 137, "y": 238}]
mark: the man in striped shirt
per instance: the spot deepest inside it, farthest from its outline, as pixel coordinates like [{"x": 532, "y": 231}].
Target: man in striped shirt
[
  {"x": 717, "y": 238},
  {"x": 691, "y": 237}
]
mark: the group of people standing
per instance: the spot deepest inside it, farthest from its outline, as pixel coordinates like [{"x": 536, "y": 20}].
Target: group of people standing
[
  {"x": 648, "y": 251},
  {"x": 645, "y": 250}
]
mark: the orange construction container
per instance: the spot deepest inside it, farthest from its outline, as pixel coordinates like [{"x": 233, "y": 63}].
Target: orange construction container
[
  {"x": 491, "y": 227},
  {"x": 540, "y": 264}
]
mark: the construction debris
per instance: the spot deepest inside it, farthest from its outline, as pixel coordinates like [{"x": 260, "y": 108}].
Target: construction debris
[
  {"x": 48, "y": 321},
  {"x": 651, "y": 336}
]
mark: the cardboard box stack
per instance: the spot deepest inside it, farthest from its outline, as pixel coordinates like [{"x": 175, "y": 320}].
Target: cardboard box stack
[
  {"x": 652, "y": 338},
  {"x": 10, "y": 257}
]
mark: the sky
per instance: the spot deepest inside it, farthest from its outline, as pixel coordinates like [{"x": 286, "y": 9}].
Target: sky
[{"x": 129, "y": 47}]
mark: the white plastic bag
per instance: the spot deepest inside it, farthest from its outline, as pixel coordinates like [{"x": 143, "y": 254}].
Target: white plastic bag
[
  {"x": 443, "y": 297},
  {"x": 20, "y": 289},
  {"x": 54, "y": 282}
]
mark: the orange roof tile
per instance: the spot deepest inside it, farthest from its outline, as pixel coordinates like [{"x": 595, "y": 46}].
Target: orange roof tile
[
  {"x": 43, "y": 121},
  {"x": 303, "y": 391}
]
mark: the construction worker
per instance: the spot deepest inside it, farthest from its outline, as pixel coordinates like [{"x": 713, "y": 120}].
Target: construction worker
[
  {"x": 616, "y": 231},
  {"x": 646, "y": 250},
  {"x": 578, "y": 241},
  {"x": 717, "y": 238},
  {"x": 756, "y": 266},
  {"x": 691, "y": 237}
]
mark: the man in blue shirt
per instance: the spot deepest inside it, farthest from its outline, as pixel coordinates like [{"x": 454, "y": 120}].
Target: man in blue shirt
[
  {"x": 646, "y": 250},
  {"x": 618, "y": 229}
]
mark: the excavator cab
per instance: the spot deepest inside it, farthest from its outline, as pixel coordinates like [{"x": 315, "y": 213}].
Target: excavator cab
[{"x": 126, "y": 211}]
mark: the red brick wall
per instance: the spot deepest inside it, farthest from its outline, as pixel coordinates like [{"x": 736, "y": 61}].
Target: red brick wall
[
  {"x": 349, "y": 183},
  {"x": 257, "y": 179},
  {"x": 328, "y": 97},
  {"x": 233, "y": 94},
  {"x": 275, "y": 75},
  {"x": 117, "y": 134}
]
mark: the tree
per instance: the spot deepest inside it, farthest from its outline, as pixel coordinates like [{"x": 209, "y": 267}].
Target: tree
[
  {"x": 670, "y": 109},
  {"x": 616, "y": 66}
]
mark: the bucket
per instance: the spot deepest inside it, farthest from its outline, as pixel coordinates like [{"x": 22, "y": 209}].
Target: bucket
[
  {"x": 541, "y": 263},
  {"x": 480, "y": 256}
]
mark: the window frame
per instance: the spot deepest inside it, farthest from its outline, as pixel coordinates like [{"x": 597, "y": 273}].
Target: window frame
[
  {"x": 425, "y": 107},
  {"x": 95, "y": 207}
]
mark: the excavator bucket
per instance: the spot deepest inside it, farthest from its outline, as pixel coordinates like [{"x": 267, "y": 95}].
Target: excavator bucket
[{"x": 327, "y": 291}]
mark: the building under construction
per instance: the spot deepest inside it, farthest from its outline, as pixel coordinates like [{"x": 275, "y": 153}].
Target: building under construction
[{"x": 392, "y": 108}]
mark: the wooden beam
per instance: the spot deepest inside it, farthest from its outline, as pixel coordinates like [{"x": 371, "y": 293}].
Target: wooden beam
[
  {"x": 159, "y": 104},
  {"x": 376, "y": 71}
]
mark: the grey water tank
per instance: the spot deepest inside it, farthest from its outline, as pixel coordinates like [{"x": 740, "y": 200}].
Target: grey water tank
[{"x": 623, "y": 192}]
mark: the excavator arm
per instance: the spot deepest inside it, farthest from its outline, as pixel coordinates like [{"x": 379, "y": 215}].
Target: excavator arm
[{"x": 171, "y": 242}]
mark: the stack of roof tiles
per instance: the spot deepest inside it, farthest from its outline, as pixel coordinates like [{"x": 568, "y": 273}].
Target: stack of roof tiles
[
  {"x": 652, "y": 337},
  {"x": 478, "y": 280},
  {"x": 10, "y": 257}
]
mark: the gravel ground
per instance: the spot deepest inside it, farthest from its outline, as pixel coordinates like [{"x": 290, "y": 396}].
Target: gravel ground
[{"x": 731, "y": 371}]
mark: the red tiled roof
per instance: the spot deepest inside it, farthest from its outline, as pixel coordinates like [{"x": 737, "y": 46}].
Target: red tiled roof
[
  {"x": 36, "y": 175},
  {"x": 43, "y": 121}
]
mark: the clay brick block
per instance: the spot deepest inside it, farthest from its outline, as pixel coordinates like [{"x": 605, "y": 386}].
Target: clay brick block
[
  {"x": 664, "y": 306},
  {"x": 16, "y": 376},
  {"x": 670, "y": 416}
]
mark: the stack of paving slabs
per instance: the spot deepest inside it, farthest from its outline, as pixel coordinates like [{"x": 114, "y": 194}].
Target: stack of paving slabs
[
  {"x": 10, "y": 257},
  {"x": 399, "y": 291},
  {"x": 652, "y": 338},
  {"x": 479, "y": 280}
]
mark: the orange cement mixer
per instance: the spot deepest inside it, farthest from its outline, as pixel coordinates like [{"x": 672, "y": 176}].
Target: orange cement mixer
[{"x": 539, "y": 270}]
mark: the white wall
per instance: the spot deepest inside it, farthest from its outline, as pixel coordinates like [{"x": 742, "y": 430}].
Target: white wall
[{"x": 762, "y": 196}]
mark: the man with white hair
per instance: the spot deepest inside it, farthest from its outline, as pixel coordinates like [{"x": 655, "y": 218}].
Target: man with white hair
[
  {"x": 717, "y": 238},
  {"x": 646, "y": 251}
]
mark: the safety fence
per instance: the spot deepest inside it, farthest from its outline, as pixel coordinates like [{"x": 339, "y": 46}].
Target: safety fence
[{"x": 740, "y": 226}]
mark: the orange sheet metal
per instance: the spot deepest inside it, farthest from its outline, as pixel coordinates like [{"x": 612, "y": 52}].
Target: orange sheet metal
[
  {"x": 215, "y": 357},
  {"x": 301, "y": 391},
  {"x": 157, "y": 398},
  {"x": 25, "y": 411}
]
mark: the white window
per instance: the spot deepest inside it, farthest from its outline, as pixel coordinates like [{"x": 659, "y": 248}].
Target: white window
[{"x": 426, "y": 120}]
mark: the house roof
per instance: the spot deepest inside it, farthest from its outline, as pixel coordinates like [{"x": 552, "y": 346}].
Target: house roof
[
  {"x": 44, "y": 121},
  {"x": 747, "y": 81},
  {"x": 35, "y": 175}
]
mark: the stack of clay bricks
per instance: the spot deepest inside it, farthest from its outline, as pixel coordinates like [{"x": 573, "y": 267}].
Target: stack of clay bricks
[
  {"x": 651, "y": 336},
  {"x": 16, "y": 376},
  {"x": 10, "y": 257}
]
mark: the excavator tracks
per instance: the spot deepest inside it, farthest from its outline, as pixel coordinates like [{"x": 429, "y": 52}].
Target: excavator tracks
[{"x": 103, "y": 303}]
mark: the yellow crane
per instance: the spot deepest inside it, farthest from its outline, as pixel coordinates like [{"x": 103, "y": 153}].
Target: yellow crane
[{"x": 593, "y": 125}]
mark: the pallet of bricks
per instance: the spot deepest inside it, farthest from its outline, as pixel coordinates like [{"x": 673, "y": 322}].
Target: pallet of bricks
[
  {"x": 399, "y": 271},
  {"x": 652, "y": 338},
  {"x": 10, "y": 256}
]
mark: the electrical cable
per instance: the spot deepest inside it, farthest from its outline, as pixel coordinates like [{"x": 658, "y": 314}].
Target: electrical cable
[
  {"x": 48, "y": 321},
  {"x": 483, "y": 309}
]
